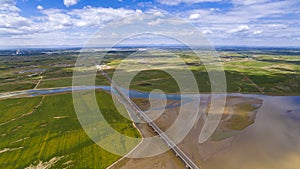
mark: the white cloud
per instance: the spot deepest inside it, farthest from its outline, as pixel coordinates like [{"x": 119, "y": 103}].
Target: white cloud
[
  {"x": 156, "y": 22},
  {"x": 261, "y": 20},
  {"x": 156, "y": 12},
  {"x": 276, "y": 26},
  {"x": 70, "y": 2},
  {"x": 257, "y": 32},
  {"x": 215, "y": 9},
  {"x": 247, "y": 21},
  {"x": 11, "y": 22},
  {"x": 194, "y": 16},
  {"x": 249, "y": 2},
  {"x": 39, "y": 7},
  {"x": 8, "y": 6},
  {"x": 91, "y": 16},
  {"x": 176, "y": 2},
  {"x": 239, "y": 29},
  {"x": 242, "y": 14},
  {"x": 205, "y": 32},
  {"x": 56, "y": 19},
  {"x": 56, "y": 26}
]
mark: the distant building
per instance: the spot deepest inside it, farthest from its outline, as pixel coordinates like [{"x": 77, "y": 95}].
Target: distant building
[{"x": 19, "y": 52}]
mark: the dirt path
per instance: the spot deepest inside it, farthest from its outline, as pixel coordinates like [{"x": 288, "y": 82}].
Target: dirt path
[
  {"x": 246, "y": 78},
  {"x": 41, "y": 78},
  {"x": 25, "y": 114}
]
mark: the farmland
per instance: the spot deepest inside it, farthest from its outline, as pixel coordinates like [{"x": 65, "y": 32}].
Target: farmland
[
  {"x": 49, "y": 130},
  {"x": 247, "y": 71}
]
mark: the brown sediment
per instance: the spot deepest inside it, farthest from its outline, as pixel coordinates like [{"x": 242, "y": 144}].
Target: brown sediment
[{"x": 199, "y": 153}]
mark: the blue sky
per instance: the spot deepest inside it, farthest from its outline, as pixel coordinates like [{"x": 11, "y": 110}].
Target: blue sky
[{"x": 26, "y": 23}]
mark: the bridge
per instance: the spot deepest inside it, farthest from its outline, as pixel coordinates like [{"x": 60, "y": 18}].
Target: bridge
[{"x": 179, "y": 153}]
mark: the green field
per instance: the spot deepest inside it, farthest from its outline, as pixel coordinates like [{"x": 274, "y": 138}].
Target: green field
[
  {"x": 271, "y": 74},
  {"x": 49, "y": 83},
  {"x": 14, "y": 108},
  {"x": 251, "y": 71},
  {"x": 67, "y": 81},
  {"x": 51, "y": 132},
  {"x": 8, "y": 87}
]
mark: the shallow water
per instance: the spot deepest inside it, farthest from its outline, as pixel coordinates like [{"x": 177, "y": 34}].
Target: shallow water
[{"x": 272, "y": 142}]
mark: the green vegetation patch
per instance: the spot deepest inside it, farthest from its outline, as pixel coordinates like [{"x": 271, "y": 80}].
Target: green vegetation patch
[
  {"x": 52, "y": 131},
  {"x": 14, "y": 108},
  {"x": 241, "y": 118},
  {"x": 16, "y": 86}
]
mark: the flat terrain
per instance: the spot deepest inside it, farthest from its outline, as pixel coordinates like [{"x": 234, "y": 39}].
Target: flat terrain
[
  {"x": 267, "y": 71},
  {"x": 46, "y": 131}
]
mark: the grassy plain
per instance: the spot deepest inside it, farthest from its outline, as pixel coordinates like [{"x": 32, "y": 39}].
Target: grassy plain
[
  {"x": 67, "y": 81},
  {"x": 14, "y": 108},
  {"x": 53, "y": 131},
  {"x": 261, "y": 72},
  {"x": 274, "y": 72}
]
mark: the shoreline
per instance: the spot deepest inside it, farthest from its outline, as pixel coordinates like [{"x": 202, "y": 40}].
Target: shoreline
[{"x": 59, "y": 90}]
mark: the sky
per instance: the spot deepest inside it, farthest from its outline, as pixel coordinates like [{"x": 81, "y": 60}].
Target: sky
[{"x": 47, "y": 23}]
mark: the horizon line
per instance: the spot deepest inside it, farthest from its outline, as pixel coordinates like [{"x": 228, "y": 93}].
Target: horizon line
[{"x": 136, "y": 46}]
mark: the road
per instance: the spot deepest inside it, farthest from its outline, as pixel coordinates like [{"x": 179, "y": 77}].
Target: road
[
  {"x": 188, "y": 162},
  {"x": 41, "y": 78}
]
